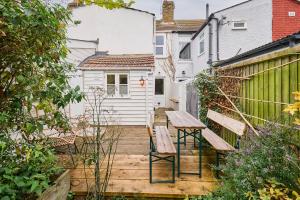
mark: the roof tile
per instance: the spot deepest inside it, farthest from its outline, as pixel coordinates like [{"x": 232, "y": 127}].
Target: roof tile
[{"x": 138, "y": 61}]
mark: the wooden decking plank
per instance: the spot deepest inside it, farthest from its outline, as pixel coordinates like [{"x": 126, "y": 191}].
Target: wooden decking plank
[
  {"x": 144, "y": 188},
  {"x": 130, "y": 173},
  {"x": 139, "y": 174}
]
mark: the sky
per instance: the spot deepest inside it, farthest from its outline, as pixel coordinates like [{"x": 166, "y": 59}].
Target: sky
[{"x": 185, "y": 9}]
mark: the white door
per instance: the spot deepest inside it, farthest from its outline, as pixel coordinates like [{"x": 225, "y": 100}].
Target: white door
[{"x": 160, "y": 98}]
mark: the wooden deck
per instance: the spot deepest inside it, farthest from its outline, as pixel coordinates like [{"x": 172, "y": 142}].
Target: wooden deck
[{"x": 130, "y": 173}]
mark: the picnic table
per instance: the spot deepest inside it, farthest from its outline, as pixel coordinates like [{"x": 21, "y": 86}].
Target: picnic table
[{"x": 190, "y": 126}]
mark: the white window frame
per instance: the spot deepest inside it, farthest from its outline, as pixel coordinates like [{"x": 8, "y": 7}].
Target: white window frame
[
  {"x": 201, "y": 40},
  {"x": 245, "y": 27},
  {"x": 117, "y": 85},
  {"x": 164, "y": 46}
]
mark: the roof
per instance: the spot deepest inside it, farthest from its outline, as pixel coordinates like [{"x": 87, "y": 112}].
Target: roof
[
  {"x": 191, "y": 25},
  {"x": 73, "y": 4},
  {"x": 288, "y": 41},
  {"x": 126, "y": 61}
]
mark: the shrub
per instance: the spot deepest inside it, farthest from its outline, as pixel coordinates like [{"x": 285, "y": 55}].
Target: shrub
[
  {"x": 276, "y": 191},
  {"x": 268, "y": 157},
  {"x": 26, "y": 170}
]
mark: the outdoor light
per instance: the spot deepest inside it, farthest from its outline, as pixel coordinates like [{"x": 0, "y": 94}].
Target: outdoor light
[
  {"x": 142, "y": 81},
  {"x": 183, "y": 73}
]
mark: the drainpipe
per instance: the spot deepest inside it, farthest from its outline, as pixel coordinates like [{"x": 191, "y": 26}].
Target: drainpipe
[
  {"x": 210, "y": 35},
  {"x": 218, "y": 37},
  {"x": 210, "y": 59}
]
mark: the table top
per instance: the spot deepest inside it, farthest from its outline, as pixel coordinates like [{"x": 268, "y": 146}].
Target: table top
[{"x": 181, "y": 119}]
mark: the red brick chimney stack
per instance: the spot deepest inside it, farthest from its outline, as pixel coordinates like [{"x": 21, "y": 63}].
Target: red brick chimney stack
[{"x": 168, "y": 8}]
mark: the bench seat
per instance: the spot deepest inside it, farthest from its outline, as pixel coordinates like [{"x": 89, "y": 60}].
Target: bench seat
[
  {"x": 164, "y": 141},
  {"x": 216, "y": 141}
]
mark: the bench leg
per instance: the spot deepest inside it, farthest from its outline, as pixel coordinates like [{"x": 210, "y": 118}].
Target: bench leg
[
  {"x": 184, "y": 131},
  {"x": 173, "y": 169},
  {"x": 170, "y": 159},
  {"x": 217, "y": 164},
  {"x": 150, "y": 167},
  {"x": 178, "y": 153},
  {"x": 200, "y": 153}
]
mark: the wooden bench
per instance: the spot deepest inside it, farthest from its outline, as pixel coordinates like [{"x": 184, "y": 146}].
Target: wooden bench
[
  {"x": 218, "y": 143},
  {"x": 163, "y": 150}
]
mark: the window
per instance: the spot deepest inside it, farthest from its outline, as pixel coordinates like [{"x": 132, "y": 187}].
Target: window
[
  {"x": 239, "y": 25},
  {"x": 117, "y": 85},
  {"x": 185, "y": 51},
  {"x": 201, "y": 44},
  {"x": 159, "y": 86},
  {"x": 111, "y": 84},
  {"x": 123, "y": 84},
  {"x": 160, "y": 45}
]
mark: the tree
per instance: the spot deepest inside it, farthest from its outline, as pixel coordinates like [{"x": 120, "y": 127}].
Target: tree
[{"x": 33, "y": 76}]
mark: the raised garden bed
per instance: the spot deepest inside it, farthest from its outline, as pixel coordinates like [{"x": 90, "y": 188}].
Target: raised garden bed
[{"x": 59, "y": 190}]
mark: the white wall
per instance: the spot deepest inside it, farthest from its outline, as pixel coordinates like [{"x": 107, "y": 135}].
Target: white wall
[
  {"x": 133, "y": 110},
  {"x": 173, "y": 49},
  {"x": 258, "y": 16},
  {"x": 120, "y": 31},
  {"x": 178, "y": 92},
  {"x": 78, "y": 52}
]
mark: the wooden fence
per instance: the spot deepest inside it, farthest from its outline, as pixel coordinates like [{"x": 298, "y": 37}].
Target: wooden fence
[{"x": 266, "y": 84}]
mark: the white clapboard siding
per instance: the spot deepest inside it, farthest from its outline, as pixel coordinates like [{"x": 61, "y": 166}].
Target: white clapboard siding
[{"x": 123, "y": 111}]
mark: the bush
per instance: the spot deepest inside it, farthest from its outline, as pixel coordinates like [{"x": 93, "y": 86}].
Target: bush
[
  {"x": 26, "y": 170},
  {"x": 264, "y": 158},
  {"x": 276, "y": 191}
]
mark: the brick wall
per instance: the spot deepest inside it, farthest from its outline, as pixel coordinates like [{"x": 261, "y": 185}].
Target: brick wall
[{"x": 283, "y": 24}]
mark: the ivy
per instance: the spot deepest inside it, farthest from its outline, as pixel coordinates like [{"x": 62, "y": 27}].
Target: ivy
[{"x": 207, "y": 87}]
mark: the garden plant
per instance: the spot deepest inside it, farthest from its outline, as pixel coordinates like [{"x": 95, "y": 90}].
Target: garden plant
[{"x": 34, "y": 79}]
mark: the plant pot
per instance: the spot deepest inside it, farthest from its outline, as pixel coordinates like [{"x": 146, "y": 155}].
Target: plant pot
[{"x": 60, "y": 189}]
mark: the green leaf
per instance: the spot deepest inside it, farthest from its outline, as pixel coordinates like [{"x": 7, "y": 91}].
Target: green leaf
[{"x": 34, "y": 185}]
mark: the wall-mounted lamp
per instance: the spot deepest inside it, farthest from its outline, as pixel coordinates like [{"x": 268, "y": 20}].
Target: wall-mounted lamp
[
  {"x": 183, "y": 73},
  {"x": 142, "y": 81}
]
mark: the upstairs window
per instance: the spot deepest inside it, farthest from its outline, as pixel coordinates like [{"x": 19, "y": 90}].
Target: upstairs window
[
  {"x": 185, "y": 51},
  {"x": 160, "y": 45},
  {"x": 239, "y": 25},
  {"x": 201, "y": 44},
  {"x": 117, "y": 85}
]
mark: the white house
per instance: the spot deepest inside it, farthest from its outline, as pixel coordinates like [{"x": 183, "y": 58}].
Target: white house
[
  {"x": 115, "y": 51},
  {"x": 240, "y": 28},
  {"x": 171, "y": 36}
]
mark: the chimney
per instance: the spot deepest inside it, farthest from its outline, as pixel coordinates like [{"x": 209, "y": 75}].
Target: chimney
[
  {"x": 74, "y": 4},
  {"x": 168, "y": 11}
]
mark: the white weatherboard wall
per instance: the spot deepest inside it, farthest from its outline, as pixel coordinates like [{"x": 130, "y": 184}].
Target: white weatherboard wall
[
  {"x": 258, "y": 16},
  {"x": 120, "y": 31},
  {"x": 133, "y": 110}
]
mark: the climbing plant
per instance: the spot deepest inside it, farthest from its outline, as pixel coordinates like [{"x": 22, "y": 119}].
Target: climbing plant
[{"x": 207, "y": 87}]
